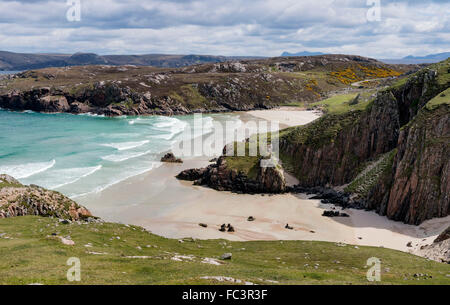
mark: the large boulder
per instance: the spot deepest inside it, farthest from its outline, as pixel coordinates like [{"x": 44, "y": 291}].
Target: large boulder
[{"x": 170, "y": 158}]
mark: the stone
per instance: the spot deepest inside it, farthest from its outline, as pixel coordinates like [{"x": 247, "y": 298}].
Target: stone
[
  {"x": 204, "y": 225},
  {"x": 288, "y": 227},
  {"x": 223, "y": 228},
  {"x": 226, "y": 256},
  {"x": 251, "y": 218},
  {"x": 170, "y": 158}
]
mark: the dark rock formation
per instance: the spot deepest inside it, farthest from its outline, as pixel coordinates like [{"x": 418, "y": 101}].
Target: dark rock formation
[
  {"x": 222, "y": 178},
  {"x": 443, "y": 236},
  {"x": 334, "y": 214},
  {"x": 191, "y": 174},
  {"x": 170, "y": 158}
]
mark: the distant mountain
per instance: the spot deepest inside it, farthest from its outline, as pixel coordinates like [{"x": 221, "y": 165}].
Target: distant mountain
[
  {"x": 438, "y": 56},
  {"x": 10, "y": 61},
  {"x": 427, "y": 59},
  {"x": 304, "y": 53}
]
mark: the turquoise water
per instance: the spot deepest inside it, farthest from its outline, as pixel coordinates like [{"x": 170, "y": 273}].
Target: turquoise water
[{"x": 80, "y": 154}]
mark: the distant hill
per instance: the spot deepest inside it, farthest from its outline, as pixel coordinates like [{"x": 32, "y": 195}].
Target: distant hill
[
  {"x": 10, "y": 61},
  {"x": 303, "y": 53},
  {"x": 427, "y": 59}
]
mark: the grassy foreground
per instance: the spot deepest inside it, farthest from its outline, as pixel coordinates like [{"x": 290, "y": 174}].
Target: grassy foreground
[{"x": 119, "y": 254}]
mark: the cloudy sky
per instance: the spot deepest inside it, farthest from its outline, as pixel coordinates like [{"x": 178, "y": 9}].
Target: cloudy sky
[{"x": 227, "y": 27}]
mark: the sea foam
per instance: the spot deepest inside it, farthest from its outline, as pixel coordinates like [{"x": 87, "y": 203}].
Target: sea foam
[
  {"x": 72, "y": 175},
  {"x": 22, "y": 171},
  {"x": 126, "y": 145}
]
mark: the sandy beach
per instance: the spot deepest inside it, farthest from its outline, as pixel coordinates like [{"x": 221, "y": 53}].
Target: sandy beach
[{"x": 159, "y": 202}]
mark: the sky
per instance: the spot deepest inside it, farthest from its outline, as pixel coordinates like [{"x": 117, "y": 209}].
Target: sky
[{"x": 374, "y": 28}]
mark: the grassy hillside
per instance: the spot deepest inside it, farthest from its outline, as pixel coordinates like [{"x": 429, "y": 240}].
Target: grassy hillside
[{"x": 119, "y": 254}]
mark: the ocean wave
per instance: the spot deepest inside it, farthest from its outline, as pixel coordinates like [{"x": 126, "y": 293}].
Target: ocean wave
[
  {"x": 92, "y": 114},
  {"x": 124, "y": 157},
  {"x": 126, "y": 145},
  {"x": 171, "y": 125},
  {"x": 73, "y": 175},
  {"x": 22, "y": 171},
  {"x": 118, "y": 180}
]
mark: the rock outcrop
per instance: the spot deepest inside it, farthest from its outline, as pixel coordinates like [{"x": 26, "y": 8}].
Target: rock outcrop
[
  {"x": 440, "y": 249},
  {"x": 170, "y": 158},
  {"x": 221, "y": 177},
  {"x": 20, "y": 200}
]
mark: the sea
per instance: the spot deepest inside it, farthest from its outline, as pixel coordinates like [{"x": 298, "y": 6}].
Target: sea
[{"x": 82, "y": 154}]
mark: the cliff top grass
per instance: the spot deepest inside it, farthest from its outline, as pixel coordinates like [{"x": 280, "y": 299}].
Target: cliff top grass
[
  {"x": 322, "y": 131},
  {"x": 441, "y": 99},
  {"x": 443, "y": 74},
  {"x": 118, "y": 254},
  {"x": 247, "y": 165}
]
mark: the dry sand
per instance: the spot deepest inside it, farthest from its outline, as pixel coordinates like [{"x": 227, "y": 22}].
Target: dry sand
[{"x": 168, "y": 207}]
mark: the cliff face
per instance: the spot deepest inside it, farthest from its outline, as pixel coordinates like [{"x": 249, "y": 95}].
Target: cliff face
[
  {"x": 394, "y": 155},
  {"x": 421, "y": 186},
  {"x": 351, "y": 139}
]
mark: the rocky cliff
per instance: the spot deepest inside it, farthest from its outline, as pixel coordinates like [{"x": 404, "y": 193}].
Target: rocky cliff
[
  {"x": 439, "y": 250},
  {"x": 332, "y": 149},
  {"x": 393, "y": 155},
  {"x": 20, "y": 200}
]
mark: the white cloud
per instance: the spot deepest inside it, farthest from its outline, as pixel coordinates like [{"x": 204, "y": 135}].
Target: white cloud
[{"x": 234, "y": 27}]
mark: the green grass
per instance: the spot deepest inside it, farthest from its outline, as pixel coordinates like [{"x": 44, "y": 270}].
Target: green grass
[
  {"x": 341, "y": 103},
  {"x": 29, "y": 256},
  {"x": 440, "y": 99},
  {"x": 322, "y": 131},
  {"x": 247, "y": 165}
]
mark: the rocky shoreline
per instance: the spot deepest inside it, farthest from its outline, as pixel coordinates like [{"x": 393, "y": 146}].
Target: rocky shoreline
[
  {"x": 208, "y": 88},
  {"x": 20, "y": 200},
  {"x": 222, "y": 178}
]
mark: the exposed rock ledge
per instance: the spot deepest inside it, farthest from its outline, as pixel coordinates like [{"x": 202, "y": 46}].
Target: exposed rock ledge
[
  {"x": 221, "y": 177},
  {"x": 20, "y": 200},
  {"x": 440, "y": 249}
]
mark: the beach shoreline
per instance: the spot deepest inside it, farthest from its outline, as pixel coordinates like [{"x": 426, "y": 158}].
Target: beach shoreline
[{"x": 159, "y": 202}]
